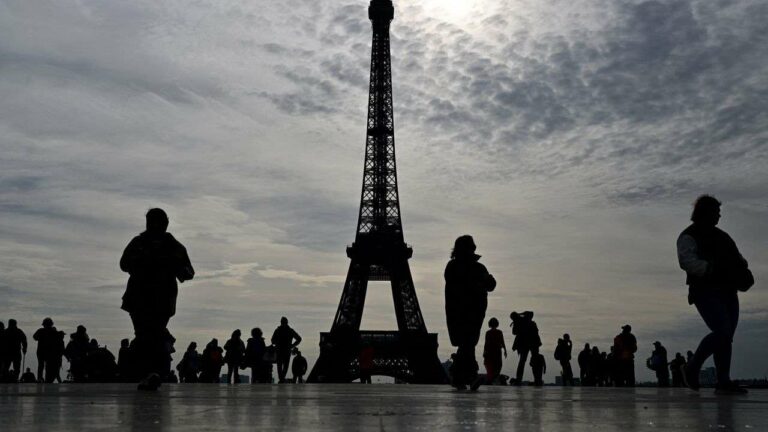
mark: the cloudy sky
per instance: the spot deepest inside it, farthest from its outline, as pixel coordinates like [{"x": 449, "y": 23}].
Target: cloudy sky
[{"x": 569, "y": 138}]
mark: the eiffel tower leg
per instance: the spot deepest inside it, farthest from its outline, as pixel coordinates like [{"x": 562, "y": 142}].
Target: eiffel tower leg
[
  {"x": 420, "y": 347},
  {"x": 338, "y": 348}
]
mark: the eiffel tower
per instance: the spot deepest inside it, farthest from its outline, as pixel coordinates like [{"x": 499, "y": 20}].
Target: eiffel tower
[{"x": 379, "y": 252}]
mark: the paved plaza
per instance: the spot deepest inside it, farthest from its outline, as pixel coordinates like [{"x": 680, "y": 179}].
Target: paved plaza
[{"x": 384, "y": 407}]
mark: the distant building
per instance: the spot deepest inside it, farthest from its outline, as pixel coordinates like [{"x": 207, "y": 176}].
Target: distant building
[{"x": 708, "y": 377}]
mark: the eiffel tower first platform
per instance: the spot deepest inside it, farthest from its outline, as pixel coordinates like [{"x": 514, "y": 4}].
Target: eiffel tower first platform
[{"x": 379, "y": 252}]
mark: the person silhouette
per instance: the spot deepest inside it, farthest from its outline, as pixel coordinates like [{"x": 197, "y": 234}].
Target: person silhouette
[
  {"x": 28, "y": 377},
  {"x": 285, "y": 339},
  {"x": 527, "y": 339},
  {"x": 254, "y": 356},
  {"x": 15, "y": 348},
  {"x": 715, "y": 273},
  {"x": 539, "y": 368},
  {"x": 155, "y": 260},
  {"x": 492, "y": 350},
  {"x": 211, "y": 362},
  {"x": 365, "y": 363},
  {"x": 76, "y": 351},
  {"x": 625, "y": 347},
  {"x": 189, "y": 366},
  {"x": 583, "y": 361},
  {"x": 235, "y": 349},
  {"x": 563, "y": 354},
  {"x": 467, "y": 284},
  {"x": 676, "y": 367},
  {"x": 298, "y": 366},
  {"x": 658, "y": 363},
  {"x": 46, "y": 338}
]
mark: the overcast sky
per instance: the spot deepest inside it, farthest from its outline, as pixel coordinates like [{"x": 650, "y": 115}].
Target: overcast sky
[{"x": 568, "y": 137}]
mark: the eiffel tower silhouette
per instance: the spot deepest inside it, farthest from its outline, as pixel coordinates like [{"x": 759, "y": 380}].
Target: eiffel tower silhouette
[{"x": 379, "y": 252}]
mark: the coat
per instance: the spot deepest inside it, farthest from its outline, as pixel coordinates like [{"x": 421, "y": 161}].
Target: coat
[
  {"x": 154, "y": 263},
  {"x": 467, "y": 283}
]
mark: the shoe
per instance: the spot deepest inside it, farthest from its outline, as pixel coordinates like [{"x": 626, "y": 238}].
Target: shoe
[
  {"x": 477, "y": 383},
  {"x": 730, "y": 389},
  {"x": 150, "y": 383},
  {"x": 690, "y": 379},
  {"x": 460, "y": 387}
]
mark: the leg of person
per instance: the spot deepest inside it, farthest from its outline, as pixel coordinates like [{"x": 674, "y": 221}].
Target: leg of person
[
  {"x": 521, "y": 366},
  {"x": 51, "y": 370},
  {"x": 229, "y": 373},
  {"x": 569, "y": 372},
  {"x": 40, "y": 368},
  {"x": 16, "y": 364}
]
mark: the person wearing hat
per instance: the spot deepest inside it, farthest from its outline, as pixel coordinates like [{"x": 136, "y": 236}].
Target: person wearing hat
[
  {"x": 625, "y": 347},
  {"x": 47, "y": 338},
  {"x": 715, "y": 273},
  {"x": 155, "y": 260}
]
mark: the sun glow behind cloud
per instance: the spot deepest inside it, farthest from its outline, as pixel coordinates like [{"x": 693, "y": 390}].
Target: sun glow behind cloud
[{"x": 455, "y": 11}]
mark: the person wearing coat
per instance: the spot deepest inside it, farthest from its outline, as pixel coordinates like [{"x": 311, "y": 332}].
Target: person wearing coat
[
  {"x": 155, "y": 260},
  {"x": 467, "y": 284}
]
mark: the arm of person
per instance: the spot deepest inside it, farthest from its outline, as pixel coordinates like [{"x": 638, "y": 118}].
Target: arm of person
[
  {"x": 130, "y": 256},
  {"x": 185, "y": 271},
  {"x": 297, "y": 339},
  {"x": 23, "y": 342},
  {"x": 688, "y": 257}
]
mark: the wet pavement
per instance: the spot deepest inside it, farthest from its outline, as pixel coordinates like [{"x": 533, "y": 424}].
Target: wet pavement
[{"x": 386, "y": 407}]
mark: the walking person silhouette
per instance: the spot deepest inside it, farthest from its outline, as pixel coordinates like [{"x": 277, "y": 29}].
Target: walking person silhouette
[
  {"x": 467, "y": 284},
  {"x": 155, "y": 260},
  {"x": 715, "y": 273},
  {"x": 285, "y": 339}
]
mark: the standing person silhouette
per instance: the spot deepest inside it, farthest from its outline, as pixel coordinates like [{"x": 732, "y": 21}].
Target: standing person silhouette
[
  {"x": 563, "y": 353},
  {"x": 467, "y": 284},
  {"x": 715, "y": 272},
  {"x": 285, "y": 339},
  {"x": 625, "y": 347},
  {"x": 15, "y": 349},
  {"x": 235, "y": 348},
  {"x": 46, "y": 337},
  {"x": 527, "y": 339},
  {"x": 155, "y": 260},
  {"x": 494, "y": 344},
  {"x": 254, "y": 356}
]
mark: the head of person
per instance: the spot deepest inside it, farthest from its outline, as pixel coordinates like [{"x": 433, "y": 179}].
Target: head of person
[
  {"x": 80, "y": 329},
  {"x": 283, "y": 321},
  {"x": 11, "y": 323},
  {"x": 256, "y": 332},
  {"x": 656, "y": 344},
  {"x": 125, "y": 343},
  {"x": 560, "y": 341},
  {"x": 157, "y": 221},
  {"x": 463, "y": 247},
  {"x": 586, "y": 347},
  {"x": 214, "y": 342},
  {"x": 94, "y": 344},
  {"x": 192, "y": 346},
  {"x": 706, "y": 211},
  {"x": 595, "y": 350},
  {"x": 678, "y": 355},
  {"x": 689, "y": 353},
  {"x": 566, "y": 337},
  {"x": 236, "y": 334},
  {"x": 514, "y": 316},
  {"x": 626, "y": 329},
  {"x": 493, "y": 323},
  {"x": 47, "y": 323}
]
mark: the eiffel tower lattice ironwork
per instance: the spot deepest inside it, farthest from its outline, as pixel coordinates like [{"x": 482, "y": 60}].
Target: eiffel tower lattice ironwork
[{"x": 379, "y": 252}]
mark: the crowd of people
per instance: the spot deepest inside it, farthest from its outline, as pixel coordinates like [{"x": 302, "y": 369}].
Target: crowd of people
[{"x": 91, "y": 362}]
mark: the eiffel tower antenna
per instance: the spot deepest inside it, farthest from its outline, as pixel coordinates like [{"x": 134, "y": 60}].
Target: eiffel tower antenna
[{"x": 379, "y": 252}]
